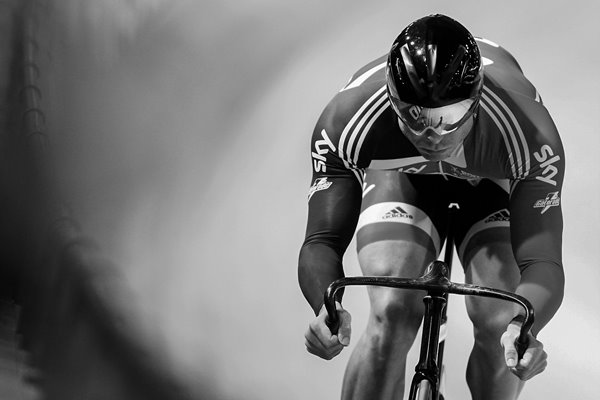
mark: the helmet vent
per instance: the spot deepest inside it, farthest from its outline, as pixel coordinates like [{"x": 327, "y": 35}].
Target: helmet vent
[
  {"x": 451, "y": 71},
  {"x": 411, "y": 71}
]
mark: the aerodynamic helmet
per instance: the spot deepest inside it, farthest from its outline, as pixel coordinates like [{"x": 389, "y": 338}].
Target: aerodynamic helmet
[{"x": 434, "y": 75}]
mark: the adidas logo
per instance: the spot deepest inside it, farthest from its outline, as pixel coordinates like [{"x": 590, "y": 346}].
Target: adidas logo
[
  {"x": 397, "y": 212},
  {"x": 502, "y": 215}
]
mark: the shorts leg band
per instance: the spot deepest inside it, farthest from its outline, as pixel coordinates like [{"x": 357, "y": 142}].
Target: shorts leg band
[{"x": 396, "y": 220}]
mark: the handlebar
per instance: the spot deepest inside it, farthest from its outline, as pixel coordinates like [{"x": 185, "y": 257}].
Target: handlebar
[{"x": 435, "y": 281}]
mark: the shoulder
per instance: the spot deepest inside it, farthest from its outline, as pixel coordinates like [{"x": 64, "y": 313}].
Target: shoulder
[
  {"x": 514, "y": 110},
  {"x": 371, "y": 72},
  {"x": 524, "y": 129},
  {"x": 503, "y": 69},
  {"x": 353, "y": 117},
  {"x": 496, "y": 53},
  {"x": 364, "y": 93}
]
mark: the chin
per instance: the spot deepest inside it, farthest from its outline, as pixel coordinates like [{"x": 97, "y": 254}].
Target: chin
[{"x": 436, "y": 156}]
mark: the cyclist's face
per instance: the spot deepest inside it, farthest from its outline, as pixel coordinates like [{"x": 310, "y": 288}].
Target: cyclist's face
[{"x": 435, "y": 147}]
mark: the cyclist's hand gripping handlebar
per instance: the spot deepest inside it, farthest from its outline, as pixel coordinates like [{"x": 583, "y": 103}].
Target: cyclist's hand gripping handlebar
[
  {"x": 522, "y": 342},
  {"x": 332, "y": 320}
]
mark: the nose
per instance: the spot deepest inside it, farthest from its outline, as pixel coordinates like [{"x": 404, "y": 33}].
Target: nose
[{"x": 433, "y": 137}]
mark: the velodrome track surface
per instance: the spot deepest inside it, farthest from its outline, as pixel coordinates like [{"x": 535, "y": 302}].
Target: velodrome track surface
[{"x": 181, "y": 133}]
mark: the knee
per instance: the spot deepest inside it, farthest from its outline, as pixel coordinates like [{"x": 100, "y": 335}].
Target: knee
[
  {"x": 395, "y": 313},
  {"x": 394, "y": 321},
  {"x": 489, "y": 319},
  {"x": 394, "y": 258}
]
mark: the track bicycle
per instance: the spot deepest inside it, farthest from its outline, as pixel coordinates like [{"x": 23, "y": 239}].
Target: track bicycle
[{"x": 425, "y": 384}]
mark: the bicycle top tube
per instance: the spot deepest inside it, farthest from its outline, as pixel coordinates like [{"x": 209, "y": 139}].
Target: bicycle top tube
[{"x": 435, "y": 281}]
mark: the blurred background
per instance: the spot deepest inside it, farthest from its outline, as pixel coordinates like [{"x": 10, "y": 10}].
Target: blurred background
[{"x": 180, "y": 132}]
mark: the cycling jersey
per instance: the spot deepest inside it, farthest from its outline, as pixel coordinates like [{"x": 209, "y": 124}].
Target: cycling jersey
[{"x": 513, "y": 138}]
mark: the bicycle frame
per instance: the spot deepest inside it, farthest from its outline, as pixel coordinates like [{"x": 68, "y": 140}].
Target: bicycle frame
[
  {"x": 437, "y": 283},
  {"x": 448, "y": 257}
]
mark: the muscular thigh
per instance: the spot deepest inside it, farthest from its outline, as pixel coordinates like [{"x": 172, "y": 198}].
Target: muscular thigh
[
  {"x": 397, "y": 235},
  {"x": 484, "y": 247},
  {"x": 404, "y": 213},
  {"x": 401, "y": 225},
  {"x": 482, "y": 231},
  {"x": 490, "y": 262}
]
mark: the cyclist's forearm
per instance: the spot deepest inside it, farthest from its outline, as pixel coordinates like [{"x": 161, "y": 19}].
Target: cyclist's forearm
[
  {"x": 543, "y": 285},
  {"x": 318, "y": 266}
]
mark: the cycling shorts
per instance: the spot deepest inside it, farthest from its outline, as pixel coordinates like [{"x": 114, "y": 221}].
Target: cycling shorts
[{"x": 400, "y": 206}]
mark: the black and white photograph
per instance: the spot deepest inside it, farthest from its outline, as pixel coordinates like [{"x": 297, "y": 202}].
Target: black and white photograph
[{"x": 265, "y": 200}]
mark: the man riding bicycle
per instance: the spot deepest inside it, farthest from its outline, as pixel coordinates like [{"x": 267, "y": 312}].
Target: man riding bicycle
[{"x": 443, "y": 117}]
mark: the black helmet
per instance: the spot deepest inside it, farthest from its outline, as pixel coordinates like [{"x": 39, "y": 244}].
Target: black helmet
[{"x": 434, "y": 62}]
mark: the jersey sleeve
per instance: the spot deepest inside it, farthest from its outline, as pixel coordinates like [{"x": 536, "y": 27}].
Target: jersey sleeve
[
  {"x": 334, "y": 201},
  {"x": 535, "y": 201}
]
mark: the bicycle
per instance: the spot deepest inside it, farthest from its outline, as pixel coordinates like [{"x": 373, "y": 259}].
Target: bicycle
[{"x": 425, "y": 384}]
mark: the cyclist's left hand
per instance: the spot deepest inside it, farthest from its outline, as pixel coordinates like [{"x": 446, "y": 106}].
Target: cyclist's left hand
[{"x": 534, "y": 360}]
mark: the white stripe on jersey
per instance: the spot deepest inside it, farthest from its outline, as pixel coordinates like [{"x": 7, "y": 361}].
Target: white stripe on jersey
[
  {"x": 503, "y": 132},
  {"x": 360, "y": 175},
  {"x": 383, "y": 104},
  {"x": 515, "y": 142},
  {"x": 521, "y": 138},
  {"x": 513, "y": 184},
  {"x": 354, "y": 129},
  {"x": 484, "y": 40},
  {"x": 362, "y": 78},
  {"x": 507, "y": 132}
]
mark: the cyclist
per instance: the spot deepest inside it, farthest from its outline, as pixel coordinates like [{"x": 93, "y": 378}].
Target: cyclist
[{"x": 443, "y": 117}]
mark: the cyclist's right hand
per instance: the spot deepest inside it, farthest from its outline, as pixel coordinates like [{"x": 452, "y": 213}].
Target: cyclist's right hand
[
  {"x": 534, "y": 359},
  {"x": 320, "y": 341}
]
